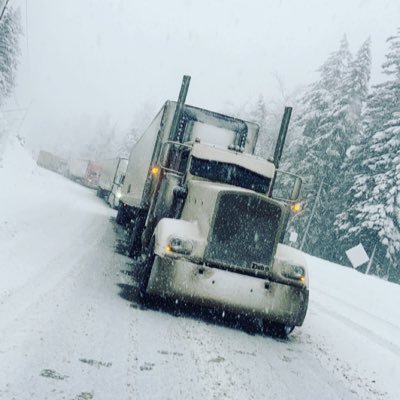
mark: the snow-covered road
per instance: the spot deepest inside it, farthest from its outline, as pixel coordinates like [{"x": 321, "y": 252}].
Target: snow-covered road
[{"x": 70, "y": 326}]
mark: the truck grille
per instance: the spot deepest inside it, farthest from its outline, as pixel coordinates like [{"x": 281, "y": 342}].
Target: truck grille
[{"x": 243, "y": 234}]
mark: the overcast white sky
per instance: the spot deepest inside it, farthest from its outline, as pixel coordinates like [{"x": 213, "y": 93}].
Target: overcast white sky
[{"x": 86, "y": 61}]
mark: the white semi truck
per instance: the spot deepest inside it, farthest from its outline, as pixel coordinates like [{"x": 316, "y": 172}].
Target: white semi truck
[
  {"x": 201, "y": 213},
  {"x": 111, "y": 178}
]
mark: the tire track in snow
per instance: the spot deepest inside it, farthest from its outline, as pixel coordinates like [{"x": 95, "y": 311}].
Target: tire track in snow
[
  {"x": 24, "y": 297},
  {"x": 230, "y": 363},
  {"x": 67, "y": 322},
  {"x": 386, "y": 344},
  {"x": 356, "y": 308}
]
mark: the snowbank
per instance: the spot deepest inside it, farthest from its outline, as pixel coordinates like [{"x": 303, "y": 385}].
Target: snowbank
[
  {"x": 354, "y": 328},
  {"x": 30, "y": 223},
  {"x": 378, "y": 298}
]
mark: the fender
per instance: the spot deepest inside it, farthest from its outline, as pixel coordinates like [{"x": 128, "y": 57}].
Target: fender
[{"x": 169, "y": 228}]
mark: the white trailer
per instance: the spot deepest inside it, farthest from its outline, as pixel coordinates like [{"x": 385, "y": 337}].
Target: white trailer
[
  {"x": 52, "y": 162},
  {"x": 77, "y": 169}
]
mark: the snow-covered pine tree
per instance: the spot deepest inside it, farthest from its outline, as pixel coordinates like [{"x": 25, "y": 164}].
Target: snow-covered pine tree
[
  {"x": 10, "y": 31},
  {"x": 372, "y": 215},
  {"x": 356, "y": 85},
  {"x": 348, "y": 113},
  {"x": 9, "y": 55},
  {"x": 321, "y": 150}
]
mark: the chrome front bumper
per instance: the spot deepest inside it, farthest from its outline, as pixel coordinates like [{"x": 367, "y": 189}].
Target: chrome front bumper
[{"x": 212, "y": 287}]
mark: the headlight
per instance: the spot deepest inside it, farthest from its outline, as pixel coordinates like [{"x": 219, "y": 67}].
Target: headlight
[
  {"x": 118, "y": 194},
  {"x": 296, "y": 272},
  {"x": 181, "y": 246}
]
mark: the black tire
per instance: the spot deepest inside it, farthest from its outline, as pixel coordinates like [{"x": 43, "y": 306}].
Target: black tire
[
  {"x": 121, "y": 217},
  {"x": 108, "y": 200},
  {"x": 145, "y": 266},
  {"x": 277, "y": 330},
  {"x": 98, "y": 192},
  {"x": 135, "y": 243}
]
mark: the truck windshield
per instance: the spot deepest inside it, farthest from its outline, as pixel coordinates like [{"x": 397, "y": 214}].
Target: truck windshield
[{"x": 229, "y": 173}]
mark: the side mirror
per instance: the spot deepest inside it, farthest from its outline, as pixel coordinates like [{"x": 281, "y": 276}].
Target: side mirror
[{"x": 296, "y": 189}]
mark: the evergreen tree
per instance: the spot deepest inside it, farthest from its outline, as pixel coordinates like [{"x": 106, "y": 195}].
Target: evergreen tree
[
  {"x": 9, "y": 53},
  {"x": 319, "y": 153},
  {"x": 348, "y": 113},
  {"x": 356, "y": 84},
  {"x": 372, "y": 215},
  {"x": 330, "y": 123},
  {"x": 10, "y": 31}
]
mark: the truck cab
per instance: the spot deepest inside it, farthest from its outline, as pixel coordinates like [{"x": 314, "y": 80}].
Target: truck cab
[
  {"x": 204, "y": 220},
  {"x": 222, "y": 247}
]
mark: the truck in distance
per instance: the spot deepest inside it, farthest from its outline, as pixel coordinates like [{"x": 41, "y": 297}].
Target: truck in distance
[
  {"x": 52, "y": 162},
  {"x": 202, "y": 215},
  {"x": 85, "y": 172}
]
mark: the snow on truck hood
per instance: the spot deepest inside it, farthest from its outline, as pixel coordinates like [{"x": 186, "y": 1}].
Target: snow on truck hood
[
  {"x": 291, "y": 255},
  {"x": 250, "y": 162}
]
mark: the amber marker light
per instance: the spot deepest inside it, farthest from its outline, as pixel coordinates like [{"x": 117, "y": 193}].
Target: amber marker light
[
  {"x": 168, "y": 248},
  {"x": 296, "y": 207},
  {"x": 155, "y": 170}
]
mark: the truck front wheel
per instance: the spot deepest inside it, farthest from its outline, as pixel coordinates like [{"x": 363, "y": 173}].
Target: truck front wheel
[
  {"x": 277, "y": 330},
  {"x": 145, "y": 266},
  {"x": 135, "y": 238},
  {"x": 110, "y": 200}
]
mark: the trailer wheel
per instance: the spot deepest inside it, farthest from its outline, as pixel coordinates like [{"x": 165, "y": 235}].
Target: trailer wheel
[
  {"x": 277, "y": 330},
  {"x": 145, "y": 267}
]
